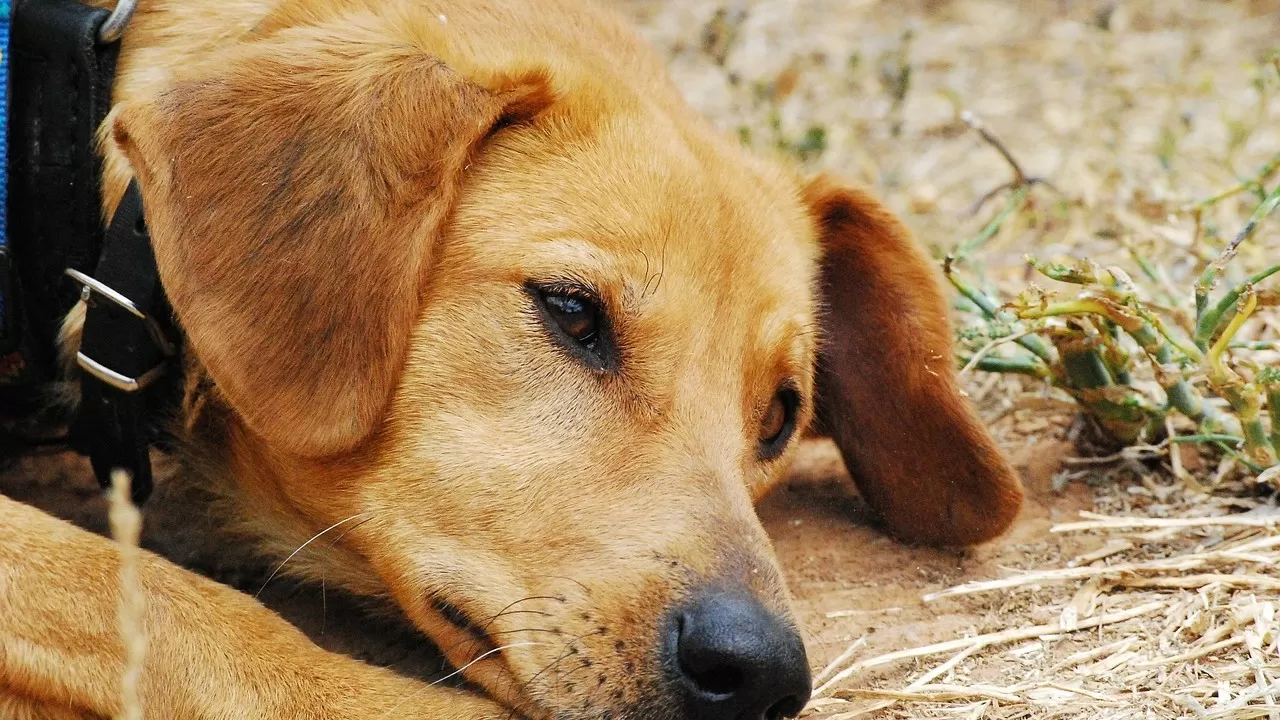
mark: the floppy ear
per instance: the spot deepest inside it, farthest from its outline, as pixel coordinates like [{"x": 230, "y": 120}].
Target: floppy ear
[
  {"x": 294, "y": 192},
  {"x": 887, "y": 391}
]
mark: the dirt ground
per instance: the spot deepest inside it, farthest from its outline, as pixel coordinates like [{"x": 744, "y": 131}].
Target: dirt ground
[
  {"x": 1130, "y": 108},
  {"x": 851, "y": 581}
]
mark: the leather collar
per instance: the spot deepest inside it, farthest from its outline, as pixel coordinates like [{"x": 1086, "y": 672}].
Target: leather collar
[{"x": 55, "y": 251}]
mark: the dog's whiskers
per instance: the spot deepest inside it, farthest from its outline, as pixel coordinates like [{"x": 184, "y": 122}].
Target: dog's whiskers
[
  {"x": 524, "y": 688},
  {"x": 334, "y": 542},
  {"x": 595, "y": 691},
  {"x": 455, "y": 673},
  {"x": 508, "y": 611},
  {"x": 482, "y": 656},
  {"x": 482, "y": 631},
  {"x": 474, "y": 641},
  {"x": 562, "y": 678},
  {"x": 302, "y": 547}
]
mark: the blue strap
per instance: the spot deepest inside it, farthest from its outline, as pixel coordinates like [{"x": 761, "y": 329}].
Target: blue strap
[{"x": 6, "y": 13}]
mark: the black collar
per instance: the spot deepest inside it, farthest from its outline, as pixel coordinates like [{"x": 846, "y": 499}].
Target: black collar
[{"x": 63, "y": 68}]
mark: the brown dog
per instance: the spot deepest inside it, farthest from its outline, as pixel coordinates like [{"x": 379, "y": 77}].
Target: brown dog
[{"x": 468, "y": 282}]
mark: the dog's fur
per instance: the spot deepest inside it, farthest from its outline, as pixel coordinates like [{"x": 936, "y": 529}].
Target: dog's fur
[{"x": 347, "y": 198}]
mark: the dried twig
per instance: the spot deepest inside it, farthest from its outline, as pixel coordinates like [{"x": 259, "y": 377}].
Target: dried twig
[
  {"x": 1102, "y": 522},
  {"x": 989, "y": 639}
]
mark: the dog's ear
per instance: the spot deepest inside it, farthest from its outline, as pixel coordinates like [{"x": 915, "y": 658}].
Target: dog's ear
[
  {"x": 887, "y": 390},
  {"x": 294, "y": 193}
]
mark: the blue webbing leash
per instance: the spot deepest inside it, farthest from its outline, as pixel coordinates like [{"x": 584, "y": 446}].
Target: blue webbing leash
[{"x": 6, "y": 15}]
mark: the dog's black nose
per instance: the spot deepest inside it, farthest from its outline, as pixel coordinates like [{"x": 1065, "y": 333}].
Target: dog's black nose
[{"x": 735, "y": 660}]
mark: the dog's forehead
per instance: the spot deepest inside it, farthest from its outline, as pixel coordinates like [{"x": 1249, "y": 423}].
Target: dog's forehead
[{"x": 645, "y": 202}]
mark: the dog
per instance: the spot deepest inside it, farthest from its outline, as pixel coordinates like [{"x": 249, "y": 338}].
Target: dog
[{"x": 467, "y": 289}]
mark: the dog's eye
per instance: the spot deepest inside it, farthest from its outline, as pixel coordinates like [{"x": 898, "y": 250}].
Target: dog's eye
[
  {"x": 577, "y": 316},
  {"x": 778, "y": 423},
  {"x": 576, "y": 320}
]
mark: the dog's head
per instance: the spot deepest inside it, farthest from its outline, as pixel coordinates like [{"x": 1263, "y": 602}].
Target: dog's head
[{"x": 529, "y": 342}]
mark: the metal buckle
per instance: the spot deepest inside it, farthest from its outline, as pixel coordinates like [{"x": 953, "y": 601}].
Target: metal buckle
[{"x": 119, "y": 381}]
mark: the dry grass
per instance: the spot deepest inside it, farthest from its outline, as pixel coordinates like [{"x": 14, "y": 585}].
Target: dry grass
[
  {"x": 1135, "y": 113},
  {"x": 1192, "y": 632},
  {"x": 126, "y": 530}
]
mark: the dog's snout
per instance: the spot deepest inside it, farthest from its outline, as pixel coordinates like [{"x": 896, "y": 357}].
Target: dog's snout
[{"x": 736, "y": 660}]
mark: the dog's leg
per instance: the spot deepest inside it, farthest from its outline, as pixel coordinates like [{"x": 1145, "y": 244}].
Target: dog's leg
[
  {"x": 14, "y": 707},
  {"x": 211, "y": 652},
  {"x": 887, "y": 383}
]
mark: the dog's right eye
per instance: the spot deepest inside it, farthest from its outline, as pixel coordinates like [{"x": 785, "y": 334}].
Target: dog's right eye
[{"x": 578, "y": 323}]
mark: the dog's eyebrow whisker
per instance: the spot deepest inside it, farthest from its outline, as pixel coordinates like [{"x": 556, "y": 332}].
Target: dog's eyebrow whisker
[
  {"x": 302, "y": 547},
  {"x": 454, "y": 674},
  {"x": 585, "y": 589}
]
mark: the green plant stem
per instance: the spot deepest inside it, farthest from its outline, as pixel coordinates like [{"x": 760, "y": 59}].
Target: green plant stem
[
  {"x": 1209, "y": 277},
  {"x": 1264, "y": 174},
  {"x": 1273, "y": 409},
  {"x": 1189, "y": 351},
  {"x": 1117, "y": 408},
  {"x": 1245, "y": 401},
  {"x": 1221, "y": 442},
  {"x": 1015, "y": 202},
  {"x": 1017, "y": 366},
  {"x": 1208, "y": 321},
  {"x": 1269, "y": 380},
  {"x": 989, "y": 309},
  {"x": 1256, "y": 441},
  {"x": 1085, "y": 368},
  {"x": 1181, "y": 394},
  {"x": 1079, "y": 306},
  {"x": 1118, "y": 359}
]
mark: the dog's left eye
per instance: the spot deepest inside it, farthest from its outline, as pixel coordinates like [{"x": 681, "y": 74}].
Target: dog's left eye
[
  {"x": 778, "y": 422},
  {"x": 578, "y": 323}
]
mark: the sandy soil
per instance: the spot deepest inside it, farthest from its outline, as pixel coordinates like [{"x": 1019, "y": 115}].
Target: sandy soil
[{"x": 850, "y": 580}]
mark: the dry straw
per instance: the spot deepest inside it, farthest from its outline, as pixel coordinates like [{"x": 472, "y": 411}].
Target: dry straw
[
  {"x": 126, "y": 528},
  {"x": 1178, "y": 643}
]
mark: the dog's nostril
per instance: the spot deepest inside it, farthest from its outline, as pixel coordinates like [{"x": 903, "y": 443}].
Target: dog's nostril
[
  {"x": 736, "y": 660},
  {"x": 787, "y": 707},
  {"x": 717, "y": 680}
]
